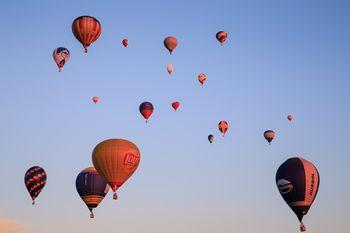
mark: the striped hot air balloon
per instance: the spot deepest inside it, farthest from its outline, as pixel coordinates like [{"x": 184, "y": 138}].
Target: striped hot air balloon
[
  {"x": 297, "y": 181},
  {"x": 92, "y": 188},
  {"x": 170, "y": 43},
  {"x": 61, "y": 56},
  {"x": 269, "y": 135},
  {"x": 223, "y": 126},
  {"x": 87, "y": 30},
  {"x": 35, "y": 180},
  {"x": 116, "y": 160}
]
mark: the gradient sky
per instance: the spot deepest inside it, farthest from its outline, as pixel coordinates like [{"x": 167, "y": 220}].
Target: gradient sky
[{"x": 281, "y": 57}]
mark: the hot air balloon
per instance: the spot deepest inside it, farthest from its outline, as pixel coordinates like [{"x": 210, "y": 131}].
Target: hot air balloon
[
  {"x": 170, "y": 68},
  {"x": 95, "y": 99},
  {"x": 223, "y": 126},
  {"x": 210, "y": 138},
  {"x": 92, "y": 188},
  {"x": 175, "y": 105},
  {"x": 35, "y": 180},
  {"x": 87, "y": 30},
  {"x": 298, "y": 180},
  {"x": 61, "y": 56},
  {"x": 125, "y": 42},
  {"x": 269, "y": 135},
  {"x": 202, "y": 78},
  {"x": 290, "y": 117},
  {"x": 170, "y": 43},
  {"x": 116, "y": 160},
  {"x": 146, "y": 110},
  {"x": 221, "y": 36}
]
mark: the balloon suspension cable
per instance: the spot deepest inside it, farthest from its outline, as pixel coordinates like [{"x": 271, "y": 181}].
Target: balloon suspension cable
[
  {"x": 59, "y": 69},
  {"x": 146, "y": 121},
  {"x": 115, "y": 196},
  {"x": 269, "y": 143},
  {"x": 91, "y": 214},
  {"x": 222, "y": 43},
  {"x": 302, "y": 227},
  {"x": 33, "y": 203},
  {"x": 85, "y": 49}
]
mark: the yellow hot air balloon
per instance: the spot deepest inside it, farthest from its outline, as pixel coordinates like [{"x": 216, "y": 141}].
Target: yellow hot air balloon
[{"x": 116, "y": 160}]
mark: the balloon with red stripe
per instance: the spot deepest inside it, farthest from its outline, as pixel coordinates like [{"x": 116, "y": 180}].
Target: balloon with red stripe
[
  {"x": 87, "y": 30},
  {"x": 175, "y": 105},
  {"x": 35, "y": 180},
  {"x": 146, "y": 110},
  {"x": 298, "y": 181}
]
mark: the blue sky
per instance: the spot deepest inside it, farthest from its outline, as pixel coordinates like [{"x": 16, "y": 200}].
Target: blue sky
[{"x": 281, "y": 57}]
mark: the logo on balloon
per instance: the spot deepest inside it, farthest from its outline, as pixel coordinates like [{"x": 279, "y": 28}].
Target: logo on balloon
[
  {"x": 131, "y": 161},
  {"x": 284, "y": 186}
]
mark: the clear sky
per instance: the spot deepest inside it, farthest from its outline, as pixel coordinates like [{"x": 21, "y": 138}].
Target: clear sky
[{"x": 281, "y": 57}]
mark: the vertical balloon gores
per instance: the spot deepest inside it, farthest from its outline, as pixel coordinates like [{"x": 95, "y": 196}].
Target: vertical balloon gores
[
  {"x": 297, "y": 181},
  {"x": 86, "y": 30},
  {"x": 116, "y": 160},
  {"x": 91, "y": 187}
]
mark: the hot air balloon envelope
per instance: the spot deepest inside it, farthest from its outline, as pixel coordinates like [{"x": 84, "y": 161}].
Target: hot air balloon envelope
[{"x": 35, "y": 180}]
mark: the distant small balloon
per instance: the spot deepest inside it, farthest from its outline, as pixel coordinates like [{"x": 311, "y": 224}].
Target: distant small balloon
[
  {"x": 175, "y": 105},
  {"x": 61, "y": 56},
  {"x": 211, "y": 138},
  {"x": 202, "y": 78},
  {"x": 269, "y": 135},
  {"x": 170, "y": 68},
  {"x": 290, "y": 117},
  {"x": 221, "y": 36},
  {"x": 170, "y": 43},
  {"x": 125, "y": 42},
  {"x": 146, "y": 110},
  {"x": 223, "y": 126},
  {"x": 95, "y": 99}
]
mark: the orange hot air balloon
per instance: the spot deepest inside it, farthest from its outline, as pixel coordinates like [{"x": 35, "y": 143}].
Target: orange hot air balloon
[
  {"x": 202, "y": 78},
  {"x": 116, "y": 160},
  {"x": 170, "y": 68},
  {"x": 125, "y": 42},
  {"x": 221, "y": 36},
  {"x": 223, "y": 126},
  {"x": 290, "y": 117},
  {"x": 269, "y": 135},
  {"x": 87, "y": 30},
  {"x": 170, "y": 43},
  {"x": 175, "y": 105},
  {"x": 95, "y": 99}
]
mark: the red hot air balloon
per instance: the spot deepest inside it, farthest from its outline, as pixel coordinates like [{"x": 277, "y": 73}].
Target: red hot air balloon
[
  {"x": 35, "y": 180},
  {"x": 202, "y": 78},
  {"x": 146, "y": 110},
  {"x": 290, "y": 117},
  {"x": 221, "y": 36},
  {"x": 175, "y": 105},
  {"x": 87, "y": 30},
  {"x": 61, "y": 56},
  {"x": 170, "y": 43},
  {"x": 223, "y": 126},
  {"x": 170, "y": 68},
  {"x": 297, "y": 181},
  {"x": 95, "y": 99},
  {"x": 125, "y": 42},
  {"x": 269, "y": 135}
]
